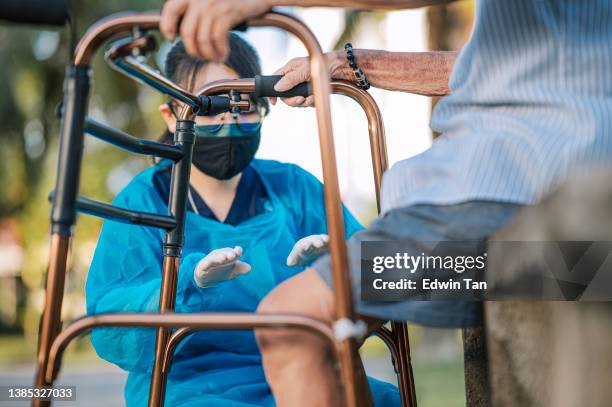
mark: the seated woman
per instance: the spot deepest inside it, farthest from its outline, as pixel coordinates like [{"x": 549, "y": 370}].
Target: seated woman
[{"x": 244, "y": 218}]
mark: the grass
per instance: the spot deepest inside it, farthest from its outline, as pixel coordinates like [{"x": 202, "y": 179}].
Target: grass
[{"x": 440, "y": 384}]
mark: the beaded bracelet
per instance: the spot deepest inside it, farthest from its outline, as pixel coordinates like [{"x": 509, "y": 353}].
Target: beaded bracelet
[{"x": 360, "y": 77}]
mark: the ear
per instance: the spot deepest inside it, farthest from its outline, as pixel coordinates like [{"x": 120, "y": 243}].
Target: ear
[{"x": 168, "y": 117}]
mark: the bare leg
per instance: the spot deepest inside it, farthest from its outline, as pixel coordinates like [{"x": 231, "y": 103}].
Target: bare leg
[{"x": 300, "y": 367}]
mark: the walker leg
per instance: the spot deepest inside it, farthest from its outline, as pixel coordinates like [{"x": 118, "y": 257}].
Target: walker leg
[
  {"x": 166, "y": 304},
  {"x": 50, "y": 323},
  {"x": 405, "y": 374},
  {"x": 63, "y": 212},
  {"x": 173, "y": 243}
]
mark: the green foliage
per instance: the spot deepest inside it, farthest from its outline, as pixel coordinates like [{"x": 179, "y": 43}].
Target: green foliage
[
  {"x": 31, "y": 79},
  {"x": 31, "y": 88},
  {"x": 353, "y": 20}
]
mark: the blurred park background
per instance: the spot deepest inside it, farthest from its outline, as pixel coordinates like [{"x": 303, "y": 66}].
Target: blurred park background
[{"x": 33, "y": 63}]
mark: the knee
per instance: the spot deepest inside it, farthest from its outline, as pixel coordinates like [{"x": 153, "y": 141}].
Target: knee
[
  {"x": 270, "y": 304},
  {"x": 303, "y": 294}
]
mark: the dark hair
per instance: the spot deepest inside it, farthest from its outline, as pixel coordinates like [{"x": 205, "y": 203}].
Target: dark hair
[{"x": 183, "y": 69}]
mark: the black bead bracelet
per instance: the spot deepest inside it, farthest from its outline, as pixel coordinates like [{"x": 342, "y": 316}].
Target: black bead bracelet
[{"x": 360, "y": 77}]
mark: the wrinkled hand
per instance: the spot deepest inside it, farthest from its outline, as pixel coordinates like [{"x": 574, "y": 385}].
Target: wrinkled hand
[
  {"x": 204, "y": 24},
  {"x": 297, "y": 71},
  {"x": 220, "y": 265},
  {"x": 308, "y": 249}
]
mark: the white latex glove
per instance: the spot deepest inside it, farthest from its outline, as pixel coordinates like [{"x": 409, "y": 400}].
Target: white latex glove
[
  {"x": 307, "y": 249},
  {"x": 220, "y": 265}
]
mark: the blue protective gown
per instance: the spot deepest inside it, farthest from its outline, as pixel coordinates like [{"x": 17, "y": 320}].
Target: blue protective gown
[{"x": 210, "y": 368}]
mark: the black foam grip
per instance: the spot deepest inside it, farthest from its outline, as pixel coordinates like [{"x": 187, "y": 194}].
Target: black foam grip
[
  {"x": 264, "y": 87},
  {"x": 213, "y": 105},
  {"x": 38, "y": 12}
]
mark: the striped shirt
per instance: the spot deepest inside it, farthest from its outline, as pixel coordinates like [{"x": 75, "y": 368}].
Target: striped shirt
[{"x": 531, "y": 103}]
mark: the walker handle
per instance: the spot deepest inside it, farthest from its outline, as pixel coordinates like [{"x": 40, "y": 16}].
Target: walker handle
[
  {"x": 264, "y": 87},
  {"x": 39, "y": 12}
]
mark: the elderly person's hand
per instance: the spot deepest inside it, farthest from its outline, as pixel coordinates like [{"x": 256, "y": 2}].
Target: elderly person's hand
[
  {"x": 297, "y": 71},
  {"x": 204, "y": 24}
]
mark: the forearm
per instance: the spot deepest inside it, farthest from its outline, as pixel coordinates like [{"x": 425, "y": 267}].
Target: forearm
[
  {"x": 360, "y": 4},
  {"x": 423, "y": 73},
  {"x": 112, "y": 343}
]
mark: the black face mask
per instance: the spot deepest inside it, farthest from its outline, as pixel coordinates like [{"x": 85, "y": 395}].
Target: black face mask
[{"x": 223, "y": 156}]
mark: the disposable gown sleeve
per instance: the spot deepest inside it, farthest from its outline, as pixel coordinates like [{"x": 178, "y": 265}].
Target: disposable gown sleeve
[
  {"x": 125, "y": 276},
  {"x": 311, "y": 215}
]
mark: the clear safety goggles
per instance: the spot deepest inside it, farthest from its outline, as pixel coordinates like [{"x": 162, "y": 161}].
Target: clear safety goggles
[{"x": 245, "y": 121}]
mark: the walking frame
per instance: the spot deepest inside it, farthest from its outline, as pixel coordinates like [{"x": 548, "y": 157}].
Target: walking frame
[{"x": 123, "y": 54}]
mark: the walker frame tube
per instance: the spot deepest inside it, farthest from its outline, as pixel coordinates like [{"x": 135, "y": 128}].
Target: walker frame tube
[
  {"x": 184, "y": 136},
  {"x": 63, "y": 213},
  {"x": 343, "y": 297},
  {"x": 119, "y": 57},
  {"x": 396, "y": 339},
  {"x": 130, "y": 143},
  {"x": 119, "y": 214},
  {"x": 64, "y": 204},
  {"x": 208, "y": 320}
]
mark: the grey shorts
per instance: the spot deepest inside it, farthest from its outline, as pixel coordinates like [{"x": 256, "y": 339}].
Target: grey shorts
[{"x": 474, "y": 220}]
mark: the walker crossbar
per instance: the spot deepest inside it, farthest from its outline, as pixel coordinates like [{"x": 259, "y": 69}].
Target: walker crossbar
[
  {"x": 209, "y": 320},
  {"x": 124, "y": 215},
  {"x": 130, "y": 143},
  {"x": 117, "y": 214},
  {"x": 202, "y": 105},
  {"x": 121, "y": 59}
]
